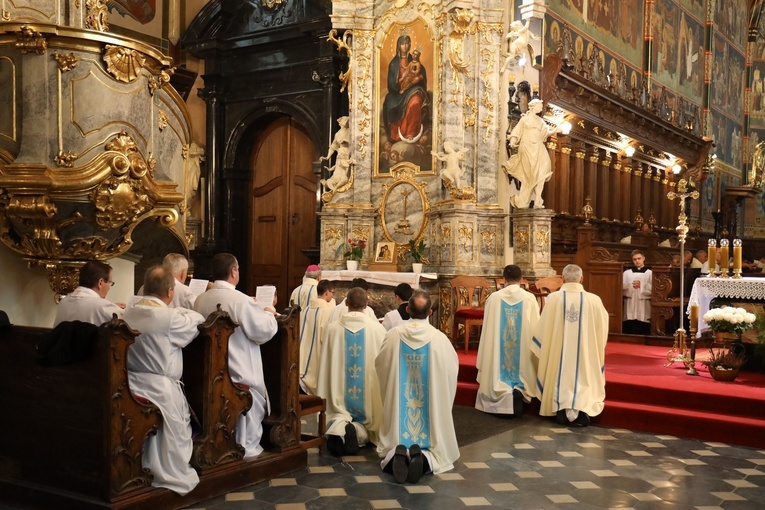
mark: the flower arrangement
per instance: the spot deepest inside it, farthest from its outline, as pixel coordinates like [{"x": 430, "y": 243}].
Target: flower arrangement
[
  {"x": 724, "y": 359},
  {"x": 417, "y": 250},
  {"x": 355, "y": 248},
  {"x": 730, "y": 320}
]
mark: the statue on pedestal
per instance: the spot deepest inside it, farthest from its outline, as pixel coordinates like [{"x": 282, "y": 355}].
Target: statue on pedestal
[
  {"x": 531, "y": 166},
  {"x": 341, "y": 146}
]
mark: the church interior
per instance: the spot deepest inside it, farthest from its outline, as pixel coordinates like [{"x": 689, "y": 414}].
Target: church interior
[{"x": 387, "y": 140}]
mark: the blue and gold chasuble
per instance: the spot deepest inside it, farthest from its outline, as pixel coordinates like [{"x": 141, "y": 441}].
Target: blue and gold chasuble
[
  {"x": 510, "y": 329},
  {"x": 414, "y": 398}
]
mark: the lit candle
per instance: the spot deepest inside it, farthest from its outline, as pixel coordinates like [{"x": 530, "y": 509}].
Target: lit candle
[
  {"x": 511, "y": 78},
  {"x": 724, "y": 259},
  {"x": 737, "y": 255},
  {"x": 712, "y": 255},
  {"x": 694, "y": 322}
]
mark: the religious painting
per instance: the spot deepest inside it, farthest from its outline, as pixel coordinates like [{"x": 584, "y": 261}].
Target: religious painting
[
  {"x": 757, "y": 96},
  {"x": 614, "y": 25},
  {"x": 736, "y": 149},
  {"x": 758, "y": 52},
  {"x": 719, "y": 132},
  {"x": 385, "y": 252},
  {"x": 664, "y": 50},
  {"x": 138, "y": 19},
  {"x": 727, "y": 78},
  {"x": 731, "y": 21},
  {"x": 406, "y": 80}
]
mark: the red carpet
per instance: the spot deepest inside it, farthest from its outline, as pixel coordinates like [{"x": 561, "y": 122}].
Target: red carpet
[{"x": 643, "y": 395}]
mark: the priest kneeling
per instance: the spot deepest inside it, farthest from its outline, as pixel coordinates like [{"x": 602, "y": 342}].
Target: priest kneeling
[
  {"x": 347, "y": 377},
  {"x": 155, "y": 367},
  {"x": 506, "y": 373},
  {"x": 570, "y": 343},
  {"x": 417, "y": 368}
]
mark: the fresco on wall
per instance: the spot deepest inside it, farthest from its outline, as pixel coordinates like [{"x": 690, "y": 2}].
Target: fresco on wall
[
  {"x": 730, "y": 19},
  {"x": 727, "y": 78},
  {"x": 405, "y": 99},
  {"x": 615, "y": 25},
  {"x": 759, "y": 45},
  {"x": 757, "y": 96},
  {"x": 698, "y": 8},
  {"x": 719, "y": 133}
]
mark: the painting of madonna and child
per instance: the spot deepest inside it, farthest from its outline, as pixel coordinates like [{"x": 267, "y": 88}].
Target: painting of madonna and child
[{"x": 406, "y": 98}]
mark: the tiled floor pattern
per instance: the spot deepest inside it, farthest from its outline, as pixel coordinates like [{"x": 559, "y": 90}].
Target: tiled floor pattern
[{"x": 535, "y": 465}]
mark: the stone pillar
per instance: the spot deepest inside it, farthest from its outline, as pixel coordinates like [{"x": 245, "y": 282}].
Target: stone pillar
[{"x": 532, "y": 241}]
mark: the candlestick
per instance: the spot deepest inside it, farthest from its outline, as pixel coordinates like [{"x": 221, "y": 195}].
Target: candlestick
[
  {"x": 724, "y": 259},
  {"x": 712, "y": 256},
  {"x": 737, "y": 262}
]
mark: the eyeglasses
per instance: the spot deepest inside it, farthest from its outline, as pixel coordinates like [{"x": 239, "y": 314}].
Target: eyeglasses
[{"x": 110, "y": 282}]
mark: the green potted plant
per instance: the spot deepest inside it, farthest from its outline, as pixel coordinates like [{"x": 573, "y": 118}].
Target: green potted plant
[
  {"x": 417, "y": 250},
  {"x": 354, "y": 252},
  {"x": 728, "y": 323}
]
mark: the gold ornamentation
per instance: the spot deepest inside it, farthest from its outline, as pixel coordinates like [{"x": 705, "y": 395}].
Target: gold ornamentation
[
  {"x": 272, "y": 5},
  {"x": 465, "y": 237},
  {"x": 488, "y": 235},
  {"x": 164, "y": 78},
  {"x": 360, "y": 233},
  {"x": 403, "y": 175},
  {"x": 446, "y": 310},
  {"x": 65, "y": 159},
  {"x": 587, "y": 210},
  {"x": 363, "y": 108},
  {"x": 185, "y": 151},
  {"x": 344, "y": 44},
  {"x": 463, "y": 25},
  {"x": 471, "y": 113},
  {"x": 29, "y": 40},
  {"x": 151, "y": 164},
  {"x": 62, "y": 278},
  {"x": 332, "y": 235},
  {"x": 119, "y": 201},
  {"x": 543, "y": 240},
  {"x": 521, "y": 241},
  {"x": 164, "y": 119},
  {"x": 446, "y": 234},
  {"x": 6, "y": 15},
  {"x": 127, "y": 159},
  {"x": 65, "y": 62},
  {"x": 487, "y": 101},
  {"x": 97, "y": 16},
  {"x": 123, "y": 63}
]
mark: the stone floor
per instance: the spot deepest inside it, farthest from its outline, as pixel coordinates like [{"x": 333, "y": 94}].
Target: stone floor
[{"x": 535, "y": 465}]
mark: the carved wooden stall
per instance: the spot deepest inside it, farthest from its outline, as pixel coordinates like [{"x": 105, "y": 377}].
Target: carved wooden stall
[
  {"x": 72, "y": 435},
  {"x": 618, "y": 159}
]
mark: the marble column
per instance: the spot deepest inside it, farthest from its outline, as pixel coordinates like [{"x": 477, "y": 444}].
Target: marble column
[{"x": 532, "y": 241}]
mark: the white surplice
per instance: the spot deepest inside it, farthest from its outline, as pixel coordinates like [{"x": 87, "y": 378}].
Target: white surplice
[
  {"x": 504, "y": 353},
  {"x": 637, "y": 302},
  {"x": 570, "y": 344},
  {"x": 155, "y": 367},
  {"x": 311, "y": 338},
  {"x": 182, "y": 296},
  {"x": 245, "y": 364},
  {"x": 393, "y": 319},
  {"x": 342, "y": 309},
  {"x": 347, "y": 376},
  {"x": 420, "y": 360},
  {"x": 84, "y": 304},
  {"x": 302, "y": 296}
]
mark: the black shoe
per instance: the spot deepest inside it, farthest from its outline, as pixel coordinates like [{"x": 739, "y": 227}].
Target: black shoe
[
  {"x": 400, "y": 464},
  {"x": 560, "y": 417},
  {"x": 335, "y": 445},
  {"x": 351, "y": 440},
  {"x": 582, "y": 420},
  {"x": 415, "y": 464},
  {"x": 517, "y": 403}
]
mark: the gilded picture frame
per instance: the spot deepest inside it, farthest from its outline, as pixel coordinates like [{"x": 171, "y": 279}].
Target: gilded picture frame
[
  {"x": 404, "y": 207},
  {"x": 406, "y": 99}
]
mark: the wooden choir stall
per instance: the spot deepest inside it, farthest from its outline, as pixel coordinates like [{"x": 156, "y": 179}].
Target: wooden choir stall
[{"x": 72, "y": 434}]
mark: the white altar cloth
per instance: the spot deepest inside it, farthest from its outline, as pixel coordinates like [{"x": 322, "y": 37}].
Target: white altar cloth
[
  {"x": 706, "y": 289},
  {"x": 390, "y": 279}
]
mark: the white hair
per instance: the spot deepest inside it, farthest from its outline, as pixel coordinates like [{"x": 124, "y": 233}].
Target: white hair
[
  {"x": 177, "y": 264},
  {"x": 572, "y": 274}
]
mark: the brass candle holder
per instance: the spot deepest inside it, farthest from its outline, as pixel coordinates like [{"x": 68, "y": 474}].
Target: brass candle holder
[{"x": 737, "y": 258}]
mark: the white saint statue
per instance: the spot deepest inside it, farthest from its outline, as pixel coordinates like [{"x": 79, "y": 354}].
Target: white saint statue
[
  {"x": 519, "y": 46},
  {"x": 452, "y": 172},
  {"x": 340, "y": 145}
]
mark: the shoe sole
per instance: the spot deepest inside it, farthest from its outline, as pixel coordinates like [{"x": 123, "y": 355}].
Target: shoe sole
[
  {"x": 400, "y": 468},
  {"x": 415, "y": 464}
]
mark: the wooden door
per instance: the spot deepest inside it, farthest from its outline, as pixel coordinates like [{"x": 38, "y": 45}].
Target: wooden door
[{"x": 282, "y": 207}]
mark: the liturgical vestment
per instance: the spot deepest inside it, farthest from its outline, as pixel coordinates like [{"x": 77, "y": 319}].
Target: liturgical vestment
[
  {"x": 342, "y": 309},
  {"x": 302, "y": 296},
  {"x": 570, "y": 342},
  {"x": 417, "y": 368},
  {"x": 347, "y": 376},
  {"x": 84, "y": 304},
  {"x": 504, "y": 353},
  {"x": 256, "y": 327},
  {"x": 311, "y": 338},
  {"x": 155, "y": 367}
]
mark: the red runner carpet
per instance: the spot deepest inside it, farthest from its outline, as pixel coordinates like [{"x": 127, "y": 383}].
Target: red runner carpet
[{"x": 643, "y": 395}]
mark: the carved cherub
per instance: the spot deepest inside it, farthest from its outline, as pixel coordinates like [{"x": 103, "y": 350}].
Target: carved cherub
[
  {"x": 519, "y": 46},
  {"x": 452, "y": 172}
]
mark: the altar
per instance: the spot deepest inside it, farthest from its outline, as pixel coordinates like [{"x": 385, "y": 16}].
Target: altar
[
  {"x": 706, "y": 289},
  {"x": 387, "y": 278}
]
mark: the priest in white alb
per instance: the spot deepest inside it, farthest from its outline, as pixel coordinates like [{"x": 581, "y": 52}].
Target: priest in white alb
[
  {"x": 155, "y": 367},
  {"x": 506, "y": 373},
  {"x": 306, "y": 291},
  {"x": 348, "y": 380},
  {"x": 417, "y": 369},
  {"x": 570, "y": 345},
  {"x": 342, "y": 307},
  {"x": 312, "y": 335},
  {"x": 245, "y": 364},
  {"x": 88, "y": 303}
]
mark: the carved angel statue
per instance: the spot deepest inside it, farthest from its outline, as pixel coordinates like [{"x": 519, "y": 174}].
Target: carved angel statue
[
  {"x": 452, "y": 172},
  {"x": 531, "y": 166},
  {"x": 194, "y": 171},
  {"x": 340, "y": 145},
  {"x": 519, "y": 46}
]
